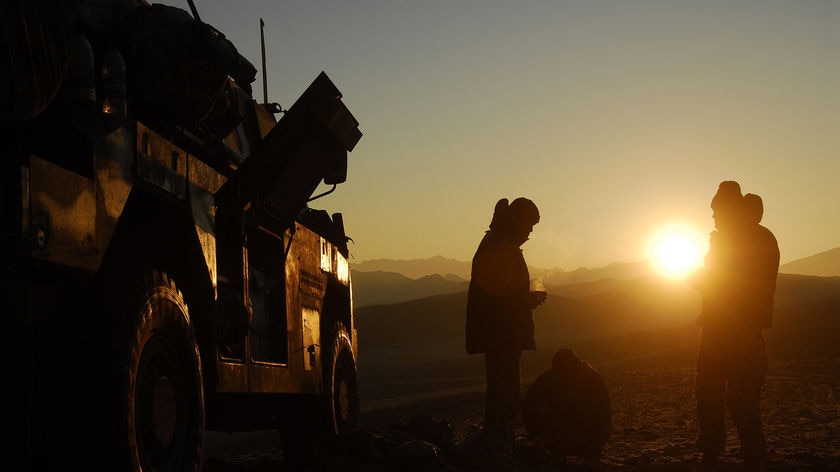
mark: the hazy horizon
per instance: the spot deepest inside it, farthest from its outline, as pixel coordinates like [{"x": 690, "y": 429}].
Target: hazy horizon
[
  {"x": 641, "y": 260},
  {"x": 614, "y": 117}
]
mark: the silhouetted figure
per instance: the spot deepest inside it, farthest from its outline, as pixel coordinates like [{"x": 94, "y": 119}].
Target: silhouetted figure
[
  {"x": 568, "y": 410},
  {"x": 499, "y": 322},
  {"x": 737, "y": 284}
]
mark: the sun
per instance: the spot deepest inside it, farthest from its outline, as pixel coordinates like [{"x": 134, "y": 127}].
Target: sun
[{"x": 675, "y": 250}]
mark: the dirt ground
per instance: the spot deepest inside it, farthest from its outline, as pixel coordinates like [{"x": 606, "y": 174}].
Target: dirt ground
[{"x": 654, "y": 427}]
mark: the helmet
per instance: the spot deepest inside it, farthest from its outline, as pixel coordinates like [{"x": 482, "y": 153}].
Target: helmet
[
  {"x": 524, "y": 211},
  {"x": 729, "y": 192}
]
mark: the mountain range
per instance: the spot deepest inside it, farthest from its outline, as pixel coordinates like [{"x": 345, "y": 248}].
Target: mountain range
[
  {"x": 416, "y": 268},
  {"x": 824, "y": 264},
  {"x": 385, "y": 281},
  {"x": 374, "y": 287},
  {"x": 379, "y": 287}
]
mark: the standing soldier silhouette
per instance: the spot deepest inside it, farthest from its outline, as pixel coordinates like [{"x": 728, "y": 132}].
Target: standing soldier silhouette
[
  {"x": 499, "y": 322},
  {"x": 737, "y": 285}
]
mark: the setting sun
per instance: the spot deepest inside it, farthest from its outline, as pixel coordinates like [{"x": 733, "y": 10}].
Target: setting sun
[{"x": 675, "y": 250}]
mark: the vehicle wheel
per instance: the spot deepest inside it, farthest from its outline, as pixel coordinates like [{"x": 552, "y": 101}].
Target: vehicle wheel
[
  {"x": 341, "y": 382},
  {"x": 336, "y": 410},
  {"x": 163, "y": 409}
]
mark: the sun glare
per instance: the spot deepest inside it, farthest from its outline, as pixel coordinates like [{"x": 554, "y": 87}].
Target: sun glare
[{"x": 675, "y": 250}]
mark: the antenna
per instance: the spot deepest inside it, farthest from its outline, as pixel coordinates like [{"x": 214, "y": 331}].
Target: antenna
[
  {"x": 262, "y": 46},
  {"x": 194, "y": 10}
]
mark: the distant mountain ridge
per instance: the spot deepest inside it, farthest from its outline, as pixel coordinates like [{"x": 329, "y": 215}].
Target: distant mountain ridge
[
  {"x": 621, "y": 307},
  {"x": 824, "y": 264},
  {"x": 416, "y": 268},
  {"x": 380, "y": 287},
  {"x": 387, "y": 281}
]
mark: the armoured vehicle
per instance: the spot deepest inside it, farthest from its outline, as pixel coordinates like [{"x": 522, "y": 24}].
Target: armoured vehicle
[{"x": 163, "y": 271}]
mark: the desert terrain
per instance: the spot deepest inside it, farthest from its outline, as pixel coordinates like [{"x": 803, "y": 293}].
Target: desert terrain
[
  {"x": 654, "y": 426},
  {"x": 641, "y": 337}
]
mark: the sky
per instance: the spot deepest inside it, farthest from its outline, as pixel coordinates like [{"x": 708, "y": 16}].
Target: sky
[{"x": 614, "y": 117}]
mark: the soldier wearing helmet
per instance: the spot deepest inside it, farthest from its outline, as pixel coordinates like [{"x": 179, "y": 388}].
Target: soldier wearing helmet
[
  {"x": 737, "y": 285},
  {"x": 499, "y": 322}
]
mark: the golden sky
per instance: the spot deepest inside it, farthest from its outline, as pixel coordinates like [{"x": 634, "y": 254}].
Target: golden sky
[{"x": 615, "y": 117}]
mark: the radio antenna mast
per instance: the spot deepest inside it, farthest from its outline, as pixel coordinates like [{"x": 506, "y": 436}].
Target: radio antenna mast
[
  {"x": 262, "y": 47},
  {"x": 194, "y": 11}
]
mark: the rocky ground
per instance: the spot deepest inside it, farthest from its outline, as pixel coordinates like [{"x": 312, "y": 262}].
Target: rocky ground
[{"x": 654, "y": 426}]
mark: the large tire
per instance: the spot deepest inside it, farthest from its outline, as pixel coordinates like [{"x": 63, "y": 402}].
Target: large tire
[
  {"x": 162, "y": 393},
  {"x": 315, "y": 422},
  {"x": 341, "y": 382}
]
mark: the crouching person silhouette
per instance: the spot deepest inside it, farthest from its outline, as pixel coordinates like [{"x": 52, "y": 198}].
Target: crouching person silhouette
[{"x": 568, "y": 410}]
